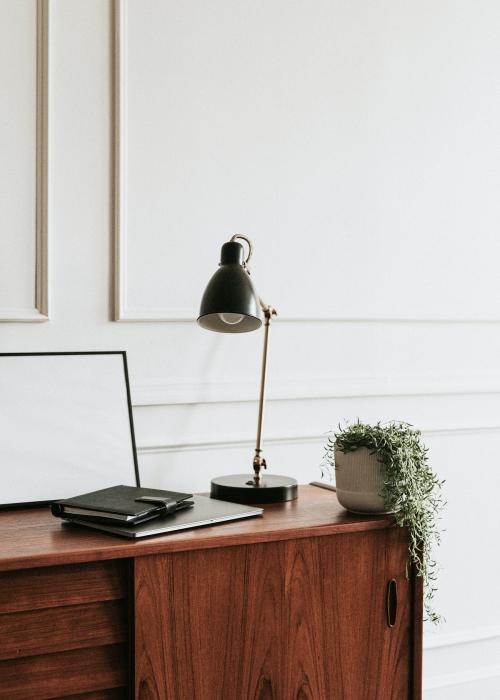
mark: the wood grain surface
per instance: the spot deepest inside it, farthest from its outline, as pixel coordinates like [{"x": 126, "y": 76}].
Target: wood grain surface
[
  {"x": 113, "y": 694},
  {"x": 301, "y": 619},
  {"x": 417, "y": 603},
  {"x": 57, "y": 675},
  {"x": 35, "y": 538},
  {"x": 62, "y": 585},
  {"x": 46, "y": 631},
  {"x": 64, "y": 630}
]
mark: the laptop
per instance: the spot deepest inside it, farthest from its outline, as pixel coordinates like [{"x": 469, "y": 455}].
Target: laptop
[{"x": 206, "y": 511}]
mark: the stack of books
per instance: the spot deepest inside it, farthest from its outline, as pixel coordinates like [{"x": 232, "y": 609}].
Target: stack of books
[{"x": 121, "y": 505}]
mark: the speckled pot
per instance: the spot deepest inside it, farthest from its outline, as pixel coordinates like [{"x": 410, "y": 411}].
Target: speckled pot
[{"x": 360, "y": 478}]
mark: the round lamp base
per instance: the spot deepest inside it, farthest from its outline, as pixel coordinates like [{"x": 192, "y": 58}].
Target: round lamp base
[{"x": 240, "y": 488}]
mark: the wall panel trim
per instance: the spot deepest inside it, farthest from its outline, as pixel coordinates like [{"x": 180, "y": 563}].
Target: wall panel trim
[
  {"x": 121, "y": 310},
  {"x": 447, "y": 680},
  {"x": 40, "y": 312},
  {"x": 477, "y": 670},
  {"x": 480, "y": 634},
  {"x": 191, "y": 390},
  {"x": 42, "y": 290},
  {"x": 119, "y": 162},
  {"x": 234, "y": 442}
]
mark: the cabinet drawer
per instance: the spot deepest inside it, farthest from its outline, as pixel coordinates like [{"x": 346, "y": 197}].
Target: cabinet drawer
[
  {"x": 56, "y": 586},
  {"x": 60, "y": 629},
  {"x": 58, "y": 675}
]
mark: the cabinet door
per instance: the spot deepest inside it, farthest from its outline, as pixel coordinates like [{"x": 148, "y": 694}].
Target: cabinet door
[
  {"x": 304, "y": 619},
  {"x": 371, "y": 613}
]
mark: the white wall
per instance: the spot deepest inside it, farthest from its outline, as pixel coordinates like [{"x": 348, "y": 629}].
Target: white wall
[{"x": 357, "y": 144}]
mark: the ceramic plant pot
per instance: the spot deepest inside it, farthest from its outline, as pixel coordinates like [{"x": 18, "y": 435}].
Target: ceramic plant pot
[{"x": 360, "y": 479}]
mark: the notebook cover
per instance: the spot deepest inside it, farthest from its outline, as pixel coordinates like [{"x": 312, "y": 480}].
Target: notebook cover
[{"x": 119, "y": 499}]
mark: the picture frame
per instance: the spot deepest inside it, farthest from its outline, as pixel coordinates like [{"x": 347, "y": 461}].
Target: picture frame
[{"x": 66, "y": 425}]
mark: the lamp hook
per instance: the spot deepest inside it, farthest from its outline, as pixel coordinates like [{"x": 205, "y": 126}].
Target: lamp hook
[{"x": 250, "y": 248}]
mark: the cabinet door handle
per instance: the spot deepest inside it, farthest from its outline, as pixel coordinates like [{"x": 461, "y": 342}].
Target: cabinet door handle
[{"x": 392, "y": 602}]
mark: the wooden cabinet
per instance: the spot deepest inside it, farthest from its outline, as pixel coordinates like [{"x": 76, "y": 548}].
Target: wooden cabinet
[
  {"x": 301, "y": 618},
  {"x": 305, "y": 603}
]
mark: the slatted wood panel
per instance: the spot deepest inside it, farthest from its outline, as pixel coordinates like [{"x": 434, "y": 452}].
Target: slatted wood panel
[
  {"x": 64, "y": 632},
  {"x": 56, "y": 586},
  {"x": 299, "y": 619},
  {"x": 56, "y": 675},
  {"x": 72, "y": 627},
  {"x": 114, "y": 694}
]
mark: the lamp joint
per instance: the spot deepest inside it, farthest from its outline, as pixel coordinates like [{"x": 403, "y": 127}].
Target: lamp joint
[
  {"x": 259, "y": 463},
  {"x": 268, "y": 311}
]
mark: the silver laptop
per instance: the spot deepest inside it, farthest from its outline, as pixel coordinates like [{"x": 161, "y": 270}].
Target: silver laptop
[{"x": 206, "y": 511}]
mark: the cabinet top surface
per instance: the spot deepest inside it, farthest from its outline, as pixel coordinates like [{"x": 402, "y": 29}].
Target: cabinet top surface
[{"x": 33, "y": 537}]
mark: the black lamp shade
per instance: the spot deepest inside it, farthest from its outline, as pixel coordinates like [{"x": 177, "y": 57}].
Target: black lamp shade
[{"x": 230, "y": 303}]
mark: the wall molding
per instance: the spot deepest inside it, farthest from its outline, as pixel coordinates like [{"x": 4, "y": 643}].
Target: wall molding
[
  {"x": 228, "y": 443},
  {"x": 232, "y": 442},
  {"x": 480, "y": 634},
  {"x": 461, "y": 677},
  {"x": 475, "y": 673},
  {"x": 121, "y": 310},
  {"x": 119, "y": 162},
  {"x": 190, "y": 390},
  {"x": 40, "y": 312},
  {"x": 42, "y": 269},
  {"x": 172, "y": 315}
]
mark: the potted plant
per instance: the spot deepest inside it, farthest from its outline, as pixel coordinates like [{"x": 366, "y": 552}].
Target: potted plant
[{"x": 384, "y": 468}]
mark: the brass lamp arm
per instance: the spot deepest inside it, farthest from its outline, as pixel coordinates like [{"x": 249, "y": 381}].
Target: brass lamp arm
[{"x": 258, "y": 461}]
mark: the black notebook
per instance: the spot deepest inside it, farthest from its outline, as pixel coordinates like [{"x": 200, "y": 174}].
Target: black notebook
[
  {"x": 127, "y": 505},
  {"x": 206, "y": 511}
]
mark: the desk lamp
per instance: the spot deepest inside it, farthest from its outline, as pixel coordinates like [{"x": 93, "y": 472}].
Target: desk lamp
[{"x": 230, "y": 305}]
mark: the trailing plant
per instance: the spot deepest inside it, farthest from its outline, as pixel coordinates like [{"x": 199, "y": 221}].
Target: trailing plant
[{"x": 411, "y": 489}]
